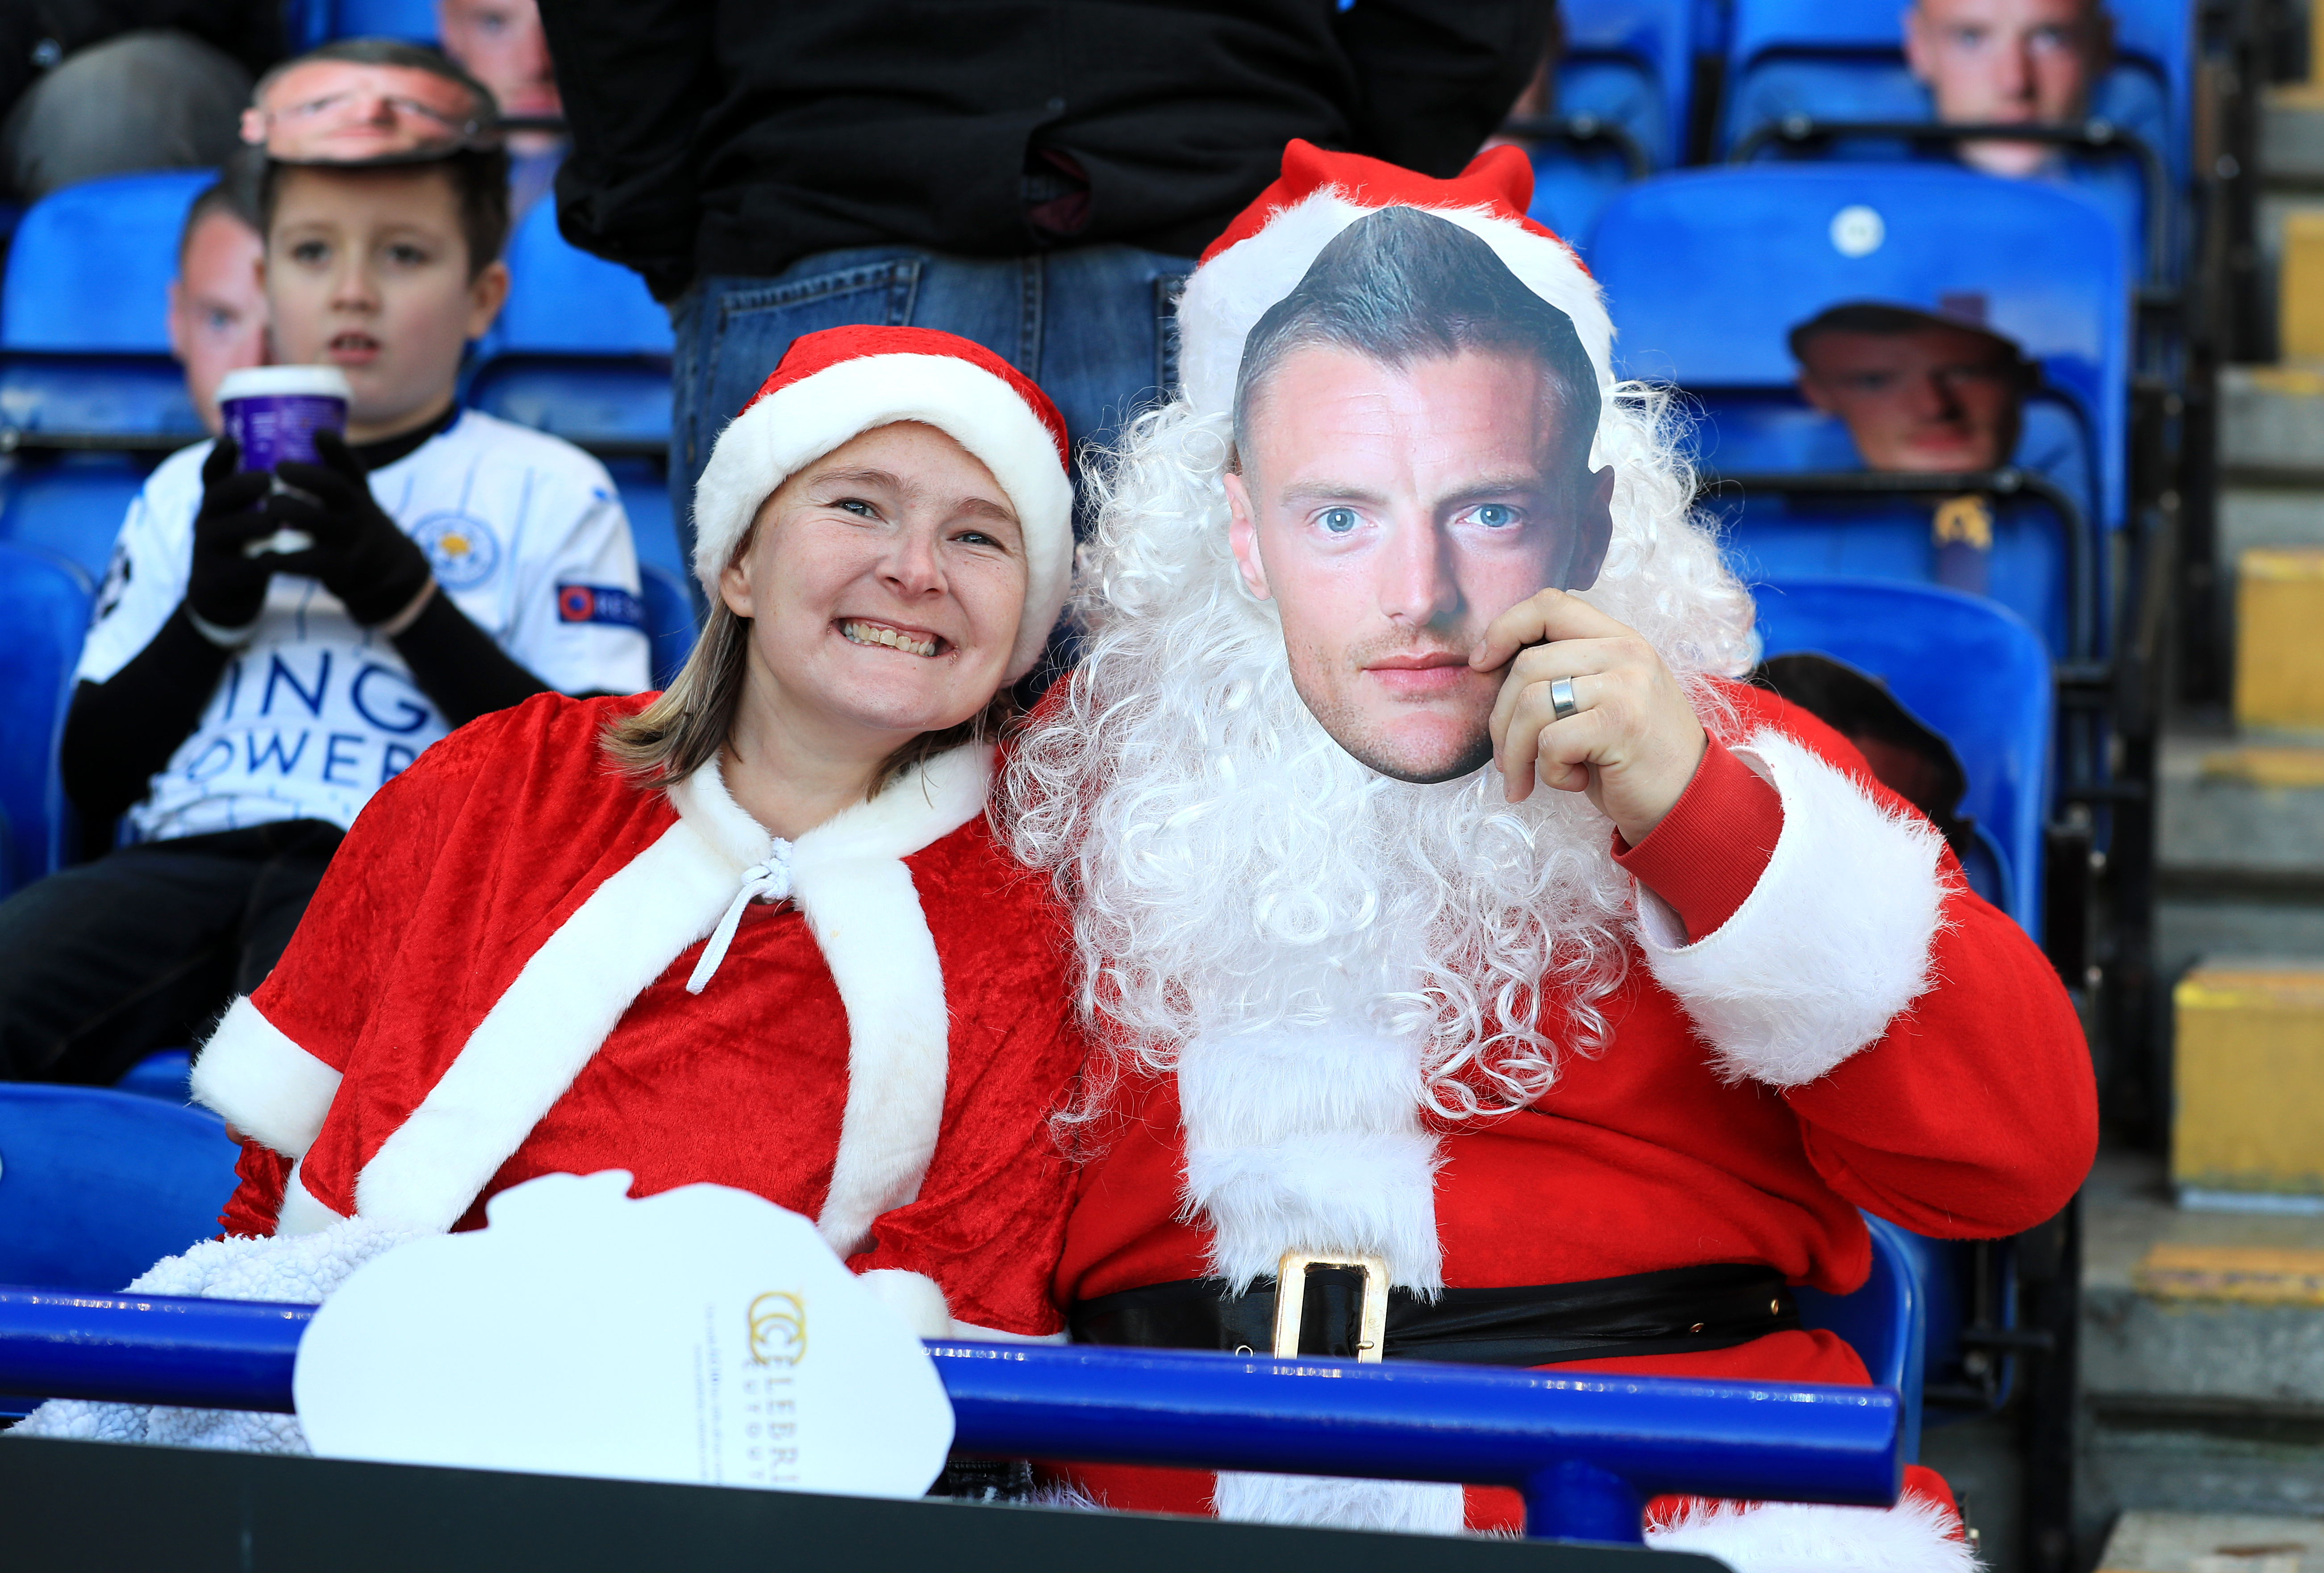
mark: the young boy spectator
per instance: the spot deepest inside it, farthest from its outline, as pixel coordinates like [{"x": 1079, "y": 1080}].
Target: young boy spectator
[
  {"x": 1921, "y": 394},
  {"x": 2015, "y": 62},
  {"x": 242, "y": 703},
  {"x": 500, "y": 43},
  {"x": 217, "y": 311}
]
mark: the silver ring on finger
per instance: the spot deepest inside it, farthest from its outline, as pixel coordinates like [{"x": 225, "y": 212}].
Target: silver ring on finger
[{"x": 1561, "y": 699}]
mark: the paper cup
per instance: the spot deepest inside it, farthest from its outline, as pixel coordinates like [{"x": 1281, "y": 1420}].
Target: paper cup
[{"x": 274, "y": 411}]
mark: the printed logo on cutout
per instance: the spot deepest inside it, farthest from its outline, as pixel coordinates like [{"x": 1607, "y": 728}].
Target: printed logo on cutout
[{"x": 463, "y": 550}]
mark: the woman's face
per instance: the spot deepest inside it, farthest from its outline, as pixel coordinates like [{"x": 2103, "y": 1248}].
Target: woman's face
[{"x": 884, "y": 583}]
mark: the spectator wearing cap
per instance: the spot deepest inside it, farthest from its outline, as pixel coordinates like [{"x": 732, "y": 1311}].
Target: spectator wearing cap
[{"x": 1036, "y": 181}]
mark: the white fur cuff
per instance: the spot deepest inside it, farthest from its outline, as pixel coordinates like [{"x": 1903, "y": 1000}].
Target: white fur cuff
[
  {"x": 1831, "y": 945},
  {"x": 263, "y": 1083},
  {"x": 913, "y": 1296},
  {"x": 1914, "y": 1536}
]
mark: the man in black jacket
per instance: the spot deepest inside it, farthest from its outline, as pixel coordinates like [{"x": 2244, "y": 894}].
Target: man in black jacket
[{"x": 1035, "y": 177}]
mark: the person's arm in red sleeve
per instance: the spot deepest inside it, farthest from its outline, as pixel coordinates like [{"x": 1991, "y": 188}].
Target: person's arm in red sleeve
[
  {"x": 273, "y": 1065},
  {"x": 1710, "y": 850},
  {"x": 1934, "y": 1060}
]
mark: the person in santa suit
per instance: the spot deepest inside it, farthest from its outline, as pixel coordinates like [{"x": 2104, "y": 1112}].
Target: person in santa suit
[
  {"x": 754, "y": 930},
  {"x": 1442, "y": 899}
]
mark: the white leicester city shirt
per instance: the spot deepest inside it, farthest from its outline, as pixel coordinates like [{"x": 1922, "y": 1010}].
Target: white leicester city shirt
[{"x": 525, "y": 533}]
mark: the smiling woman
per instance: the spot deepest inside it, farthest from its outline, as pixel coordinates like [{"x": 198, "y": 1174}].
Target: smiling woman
[{"x": 754, "y": 930}]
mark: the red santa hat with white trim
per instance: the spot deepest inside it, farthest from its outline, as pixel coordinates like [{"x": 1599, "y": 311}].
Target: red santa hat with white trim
[
  {"x": 832, "y": 386},
  {"x": 1270, "y": 247}
]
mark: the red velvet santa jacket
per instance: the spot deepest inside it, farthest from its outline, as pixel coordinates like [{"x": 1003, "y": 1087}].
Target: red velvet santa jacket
[
  {"x": 1861, "y": 1030},
  {"x": 491, "y": 984}
]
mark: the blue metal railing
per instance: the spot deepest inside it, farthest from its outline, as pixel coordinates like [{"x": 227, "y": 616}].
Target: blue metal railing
[{"x": 1586, "y": 1451}]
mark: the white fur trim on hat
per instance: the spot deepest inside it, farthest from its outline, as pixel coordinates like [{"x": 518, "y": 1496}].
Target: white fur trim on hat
[
  {"x": 1831, "y": 944},
  {"x": 1227, "y": 295},
  {"x": 799, "y": 424}
]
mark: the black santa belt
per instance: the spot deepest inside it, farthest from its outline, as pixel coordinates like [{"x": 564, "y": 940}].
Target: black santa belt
[{"x": 1342, "y": 1306}]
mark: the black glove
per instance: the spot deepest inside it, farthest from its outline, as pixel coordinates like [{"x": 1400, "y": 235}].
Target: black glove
[
  {"x": 226, "y": 586},
  {"x": 375, "y": 568}
]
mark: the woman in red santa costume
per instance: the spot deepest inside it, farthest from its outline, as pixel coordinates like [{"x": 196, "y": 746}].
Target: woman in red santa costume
[
  {"x": 1434, "y": 915},
  {"x": 754, "y": 930}
]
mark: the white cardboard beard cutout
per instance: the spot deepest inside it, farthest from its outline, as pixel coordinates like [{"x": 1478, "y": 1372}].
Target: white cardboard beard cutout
[{"x": 703, "y": 1336}]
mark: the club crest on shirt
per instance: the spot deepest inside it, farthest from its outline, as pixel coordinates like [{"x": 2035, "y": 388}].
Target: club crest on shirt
[{"x": 463, "y": 550}]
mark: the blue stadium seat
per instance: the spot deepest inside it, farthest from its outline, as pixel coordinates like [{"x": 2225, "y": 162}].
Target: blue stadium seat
[
  {"x": 644, "y": 485},
  {"x": 1631, "y": 64},
  {"x": 72, "y": 504},
  {"x": 165, "y": 1074},
  {"x": 1919, "y": 640},
  {"x": 84, "y": 311},
  {"x": 581, "y": 349},
  {"x": 95, "y": 1186},
  {"x": 413, "y": 21},
  {"x": 1625, "y": 93},
  {"x": 1885, "y": 1321},
  {"x": 669, "y": 622},
  {"x": 1842, "y": 60},
  {"x": 48, "y": 601}
]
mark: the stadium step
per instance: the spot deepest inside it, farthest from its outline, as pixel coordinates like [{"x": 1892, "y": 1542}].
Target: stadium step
[
  {"x": 2202, "y": 1359},
  {"x": 2207, "y": 1542}
]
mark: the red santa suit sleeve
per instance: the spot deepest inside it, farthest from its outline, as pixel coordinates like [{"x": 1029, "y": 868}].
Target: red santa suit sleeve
[
  {"x": 277, "y": 1057},
  {"x": 1913, "y": 1098},
  {"x": 1710, "y": 850}
]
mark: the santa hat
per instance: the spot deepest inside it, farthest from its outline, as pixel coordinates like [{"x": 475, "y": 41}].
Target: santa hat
[
  {"x": 1270, "y": 247},
  {"x": 836, "y": 384}
]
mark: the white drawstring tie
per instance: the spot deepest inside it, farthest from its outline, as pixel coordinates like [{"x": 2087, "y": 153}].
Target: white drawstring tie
[{"x": 770, "y": 881}]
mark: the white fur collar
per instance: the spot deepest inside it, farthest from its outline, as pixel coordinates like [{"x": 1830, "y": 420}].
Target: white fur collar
[{"x": 849, "y": 882}]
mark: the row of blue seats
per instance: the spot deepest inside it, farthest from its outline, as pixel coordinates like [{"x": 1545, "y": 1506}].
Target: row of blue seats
[
  {"x": 581, "y": 350},
  {"x": 1628, "y": 83}
]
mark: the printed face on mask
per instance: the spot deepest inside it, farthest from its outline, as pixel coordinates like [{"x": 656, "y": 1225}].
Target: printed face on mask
[
  {"x": 345, "y": 112},
  {"x": 2012, "y": 62},
  {"x": 217, "y": 307},
  {"x": 1392, "y": 513},
  {"x": 1936, "y": 398}
]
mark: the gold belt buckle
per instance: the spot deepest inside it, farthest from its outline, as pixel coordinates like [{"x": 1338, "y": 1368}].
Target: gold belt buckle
[{"x": 1291, "y": 1300}]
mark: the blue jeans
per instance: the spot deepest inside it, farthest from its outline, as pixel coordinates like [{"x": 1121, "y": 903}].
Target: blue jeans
[{"x": 1091, "y": 324}]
